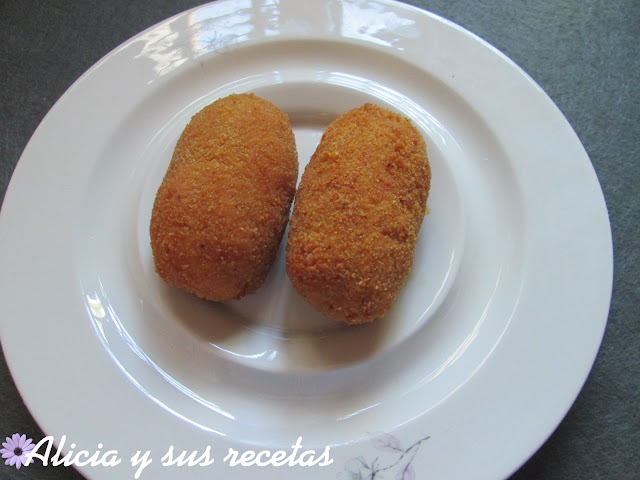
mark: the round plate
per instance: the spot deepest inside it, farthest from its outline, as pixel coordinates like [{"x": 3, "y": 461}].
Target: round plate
[{"x": 483, "y": 352}]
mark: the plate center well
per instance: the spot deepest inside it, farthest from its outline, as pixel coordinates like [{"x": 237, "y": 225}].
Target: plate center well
[
  {"x": 249, "y": 366},
  {"x": 275, "y": 328}
]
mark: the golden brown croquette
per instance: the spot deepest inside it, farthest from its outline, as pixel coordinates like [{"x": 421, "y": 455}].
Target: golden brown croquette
[
  {"x": 222, "y": 208},
  {"x": 357, "y": 214}
]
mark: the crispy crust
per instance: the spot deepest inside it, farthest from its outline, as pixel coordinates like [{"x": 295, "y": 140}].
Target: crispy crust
[
  {"x": 223, "y": 205},
  {"x": 357, "y": 214}
]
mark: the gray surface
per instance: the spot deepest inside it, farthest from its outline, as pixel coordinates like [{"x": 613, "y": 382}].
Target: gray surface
[{"x": 585, "y": 55}]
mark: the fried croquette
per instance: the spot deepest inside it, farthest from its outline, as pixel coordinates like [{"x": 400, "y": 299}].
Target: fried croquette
[
  {"x": 357, "y": 214},
  {"x": 222, "y": 208}
]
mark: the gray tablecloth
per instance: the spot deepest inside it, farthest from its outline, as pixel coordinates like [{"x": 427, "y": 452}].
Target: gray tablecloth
[{"x": 584, "y": 54}]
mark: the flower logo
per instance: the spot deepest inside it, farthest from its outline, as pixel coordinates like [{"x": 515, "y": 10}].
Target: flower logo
[{"x": 15, "y": 450}]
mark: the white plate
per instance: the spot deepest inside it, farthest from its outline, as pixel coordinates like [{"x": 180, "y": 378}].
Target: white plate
[{"x": 483, "y": 353}]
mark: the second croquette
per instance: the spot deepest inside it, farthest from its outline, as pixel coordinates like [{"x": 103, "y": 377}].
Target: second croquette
[{"x": 357, "y": 214}]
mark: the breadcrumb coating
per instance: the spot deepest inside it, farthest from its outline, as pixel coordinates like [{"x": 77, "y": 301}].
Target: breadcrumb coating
[
  {"x": 357, "y": 214},
  {"x": 222, "y": 208}
]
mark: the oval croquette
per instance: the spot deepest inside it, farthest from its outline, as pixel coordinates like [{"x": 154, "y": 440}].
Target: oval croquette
[
  {"x": 222, "y": 208},
  {"x": 357, "y": 214}
]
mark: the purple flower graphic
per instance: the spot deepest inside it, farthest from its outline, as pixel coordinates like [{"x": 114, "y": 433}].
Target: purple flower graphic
[{"x": 15, "y": 450}]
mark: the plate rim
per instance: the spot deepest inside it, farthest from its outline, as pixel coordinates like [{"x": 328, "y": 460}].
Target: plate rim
[{"x": 13, "y": 357}]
